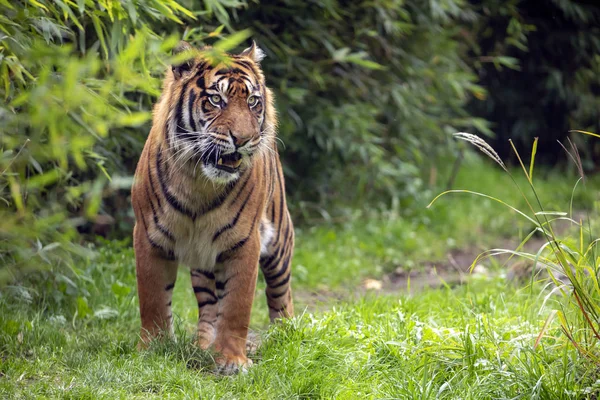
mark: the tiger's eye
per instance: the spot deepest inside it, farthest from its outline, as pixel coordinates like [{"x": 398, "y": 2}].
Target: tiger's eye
[
  {"x": 215, "y": 100},
  {"x": 252, "y": 101}
]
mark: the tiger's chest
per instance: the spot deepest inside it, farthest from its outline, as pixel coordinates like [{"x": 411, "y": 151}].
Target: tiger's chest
[
  {"x": 197, "y": 243},
  {"x": 193, "y": 241}
]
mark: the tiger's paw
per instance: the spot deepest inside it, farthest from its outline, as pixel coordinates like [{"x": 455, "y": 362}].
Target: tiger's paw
[{"x": 232, "y": 365}]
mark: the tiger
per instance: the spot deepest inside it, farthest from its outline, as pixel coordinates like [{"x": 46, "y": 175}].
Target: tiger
[{"x": 209, "y": 194}]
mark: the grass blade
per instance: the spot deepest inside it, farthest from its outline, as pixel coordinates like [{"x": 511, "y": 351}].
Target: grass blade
[{"x": 533, "y": 153}]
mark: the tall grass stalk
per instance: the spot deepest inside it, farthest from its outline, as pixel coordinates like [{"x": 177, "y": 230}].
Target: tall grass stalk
[{"x": 571, "y": 263}]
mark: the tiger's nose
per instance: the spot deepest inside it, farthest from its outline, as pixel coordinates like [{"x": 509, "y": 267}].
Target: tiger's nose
[{"x": 239, "y": 141}]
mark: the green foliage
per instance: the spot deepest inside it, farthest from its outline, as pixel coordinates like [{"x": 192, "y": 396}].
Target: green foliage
[
  {"x": 366, "y": 105},
  {"x": 78, "y": 81},
  {"x": 71, "y": 74}
]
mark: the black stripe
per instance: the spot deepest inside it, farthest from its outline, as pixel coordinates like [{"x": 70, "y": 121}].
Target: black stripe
[
  {"x": 191, "y": 100},
  {"x": 222, "y": 295},
  {"x": 200, "y": 289},
  {"x": 283, "y": 270},
  {"x": 283, "y": 248},
  {"x": 248, "y": 65},
  {"x": 152, "y": 183},
  {"x": 237, "y": 195},
  {"x": 231, "y": 71},
  {"x": 275, "y": 296},
  {"x": 225, "y": 254},
  {"x": 172, "y": 200},
  {"x": 207, "y": 303},
  {"x": 219, "y": 200},
  {"x": 232, "y": 89},
  {"x": 220, "y": 285},
  {"x": 235, "y": 219},
  {"x": 198, "y": 272},
  {"x": 161, "y": 228},
  {"x": 283, "y": 282},
  {"x": 245, "y": 64},
  {"x": 190, "y": 137},
  {"x": 179, "y": 107},
  {"x": 203, "y": 66},
  {"x": 170, "y": 286},
  {"x": 205, "y": 110},
  {"x": 166, "y": 254},
  {"x": 266, "y": 265}
]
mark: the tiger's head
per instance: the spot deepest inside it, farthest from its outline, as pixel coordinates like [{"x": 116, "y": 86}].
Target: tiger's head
[{"x": 220, "y": 117}]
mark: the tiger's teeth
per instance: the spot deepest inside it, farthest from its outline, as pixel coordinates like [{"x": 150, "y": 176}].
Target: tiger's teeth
[
  {"x": 220, "y": 162},
  {"x": 237, "y": 163}
]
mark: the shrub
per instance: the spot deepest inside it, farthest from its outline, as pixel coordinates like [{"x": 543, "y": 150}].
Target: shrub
[
  {"x": 78, "y": 80},
  {"x": 365, "y": 106}
]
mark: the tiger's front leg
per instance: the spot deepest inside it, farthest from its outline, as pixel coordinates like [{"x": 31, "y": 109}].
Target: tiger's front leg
[
  {"x": 236, "y": 284},
  {"x": 156, "y": 279}
]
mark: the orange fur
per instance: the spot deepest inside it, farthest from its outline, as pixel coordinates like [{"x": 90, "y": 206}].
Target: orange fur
[{"x": 219, "y": 220}]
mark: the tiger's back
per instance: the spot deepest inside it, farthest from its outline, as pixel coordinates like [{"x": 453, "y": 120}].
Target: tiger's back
[{"x": 209, "y": 194}]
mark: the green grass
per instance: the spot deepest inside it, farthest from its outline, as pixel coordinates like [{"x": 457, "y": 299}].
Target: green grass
[
  {"x": 370, "y": 244},
  {"x": 73, "y": 335},
  {"x": 475, "y": 342}
]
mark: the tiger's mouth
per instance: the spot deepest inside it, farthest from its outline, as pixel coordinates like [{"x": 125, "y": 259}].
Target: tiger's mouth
[{"x": 228, "y": 162}]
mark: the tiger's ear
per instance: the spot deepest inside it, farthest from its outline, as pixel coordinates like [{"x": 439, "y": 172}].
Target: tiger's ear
[
  {"x": 184, "y": 66},
  {"x": 254, "y": 52}
]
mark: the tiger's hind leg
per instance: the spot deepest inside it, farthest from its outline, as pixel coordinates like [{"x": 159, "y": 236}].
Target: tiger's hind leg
[
  {"x": 277, "y": 270},
  {"x": 156, "y": 276},
  {"x": 204, "y": 286},
  {"x": 236, "y": 275}
]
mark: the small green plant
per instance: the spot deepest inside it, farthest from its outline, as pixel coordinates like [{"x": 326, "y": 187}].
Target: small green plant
[{"x": 572, "y": 263}]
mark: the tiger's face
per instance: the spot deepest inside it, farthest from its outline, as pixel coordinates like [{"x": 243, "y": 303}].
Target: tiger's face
[{"x": 218, "y": 123}]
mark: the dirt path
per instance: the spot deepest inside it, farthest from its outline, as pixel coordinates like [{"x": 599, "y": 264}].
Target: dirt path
[{"x": 454, "y": 270}]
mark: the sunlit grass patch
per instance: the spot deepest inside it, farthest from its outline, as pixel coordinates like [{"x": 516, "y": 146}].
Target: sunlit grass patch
[{"x": 474, "y": 342}]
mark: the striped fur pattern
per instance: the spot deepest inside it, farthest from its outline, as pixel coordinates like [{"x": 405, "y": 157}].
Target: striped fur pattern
[{"x": 209, "y": 194}]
